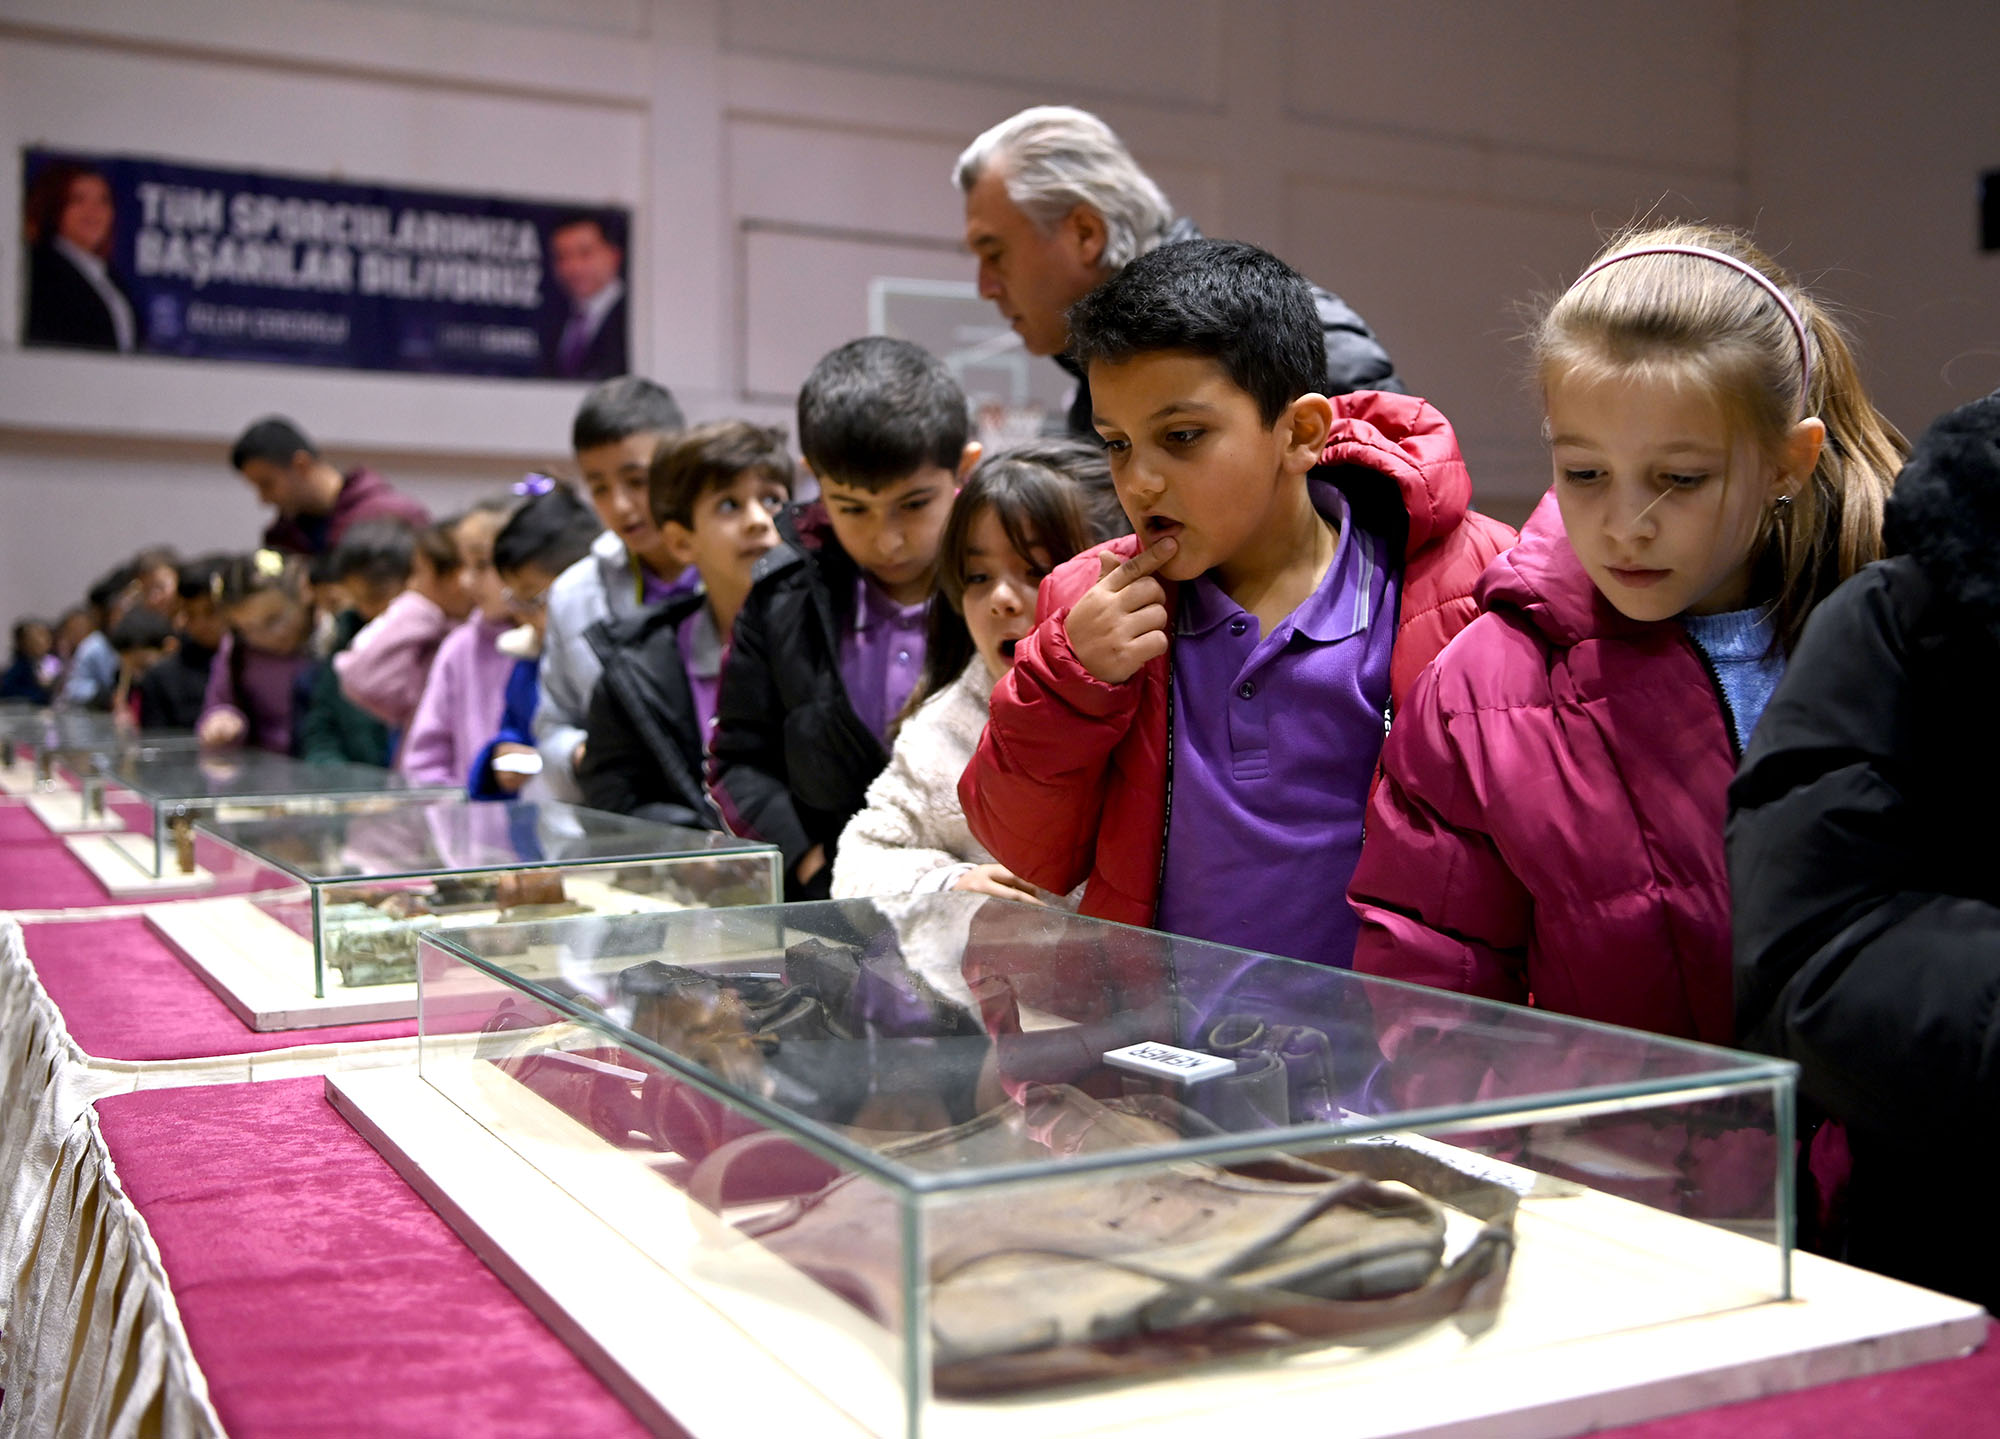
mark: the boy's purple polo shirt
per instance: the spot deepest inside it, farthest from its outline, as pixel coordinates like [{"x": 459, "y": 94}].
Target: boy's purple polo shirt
[
  {"x": 654, "y": 589},
  {"x": 701, "y": 660},
  {"x": 1275, "y": 740},
  {"x": 881, "y": 655}
]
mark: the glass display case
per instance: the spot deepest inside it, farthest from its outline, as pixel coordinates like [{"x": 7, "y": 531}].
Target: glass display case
[
  {"x": 952, "y": 1164},
  {"x": 183, "y": 789},
  {"x": 367, "y": 885}
]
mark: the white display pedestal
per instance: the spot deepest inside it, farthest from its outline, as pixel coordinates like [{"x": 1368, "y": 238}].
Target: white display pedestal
[
  {"x": 60, "y": 807},
  {"x": 263, "y": 970},
  {"x": 615, "y": 1292},
  {"x": 19, "y": 778},
  {"x": 123, "y": 862}
]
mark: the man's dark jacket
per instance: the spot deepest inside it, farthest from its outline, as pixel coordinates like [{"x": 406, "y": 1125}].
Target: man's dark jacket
[
  {"x": 1866, "y": 877},
  {"x": 644, "y": 752},
  {"x": 791, "y": 761},
  {"x": 364, "y": 495},
  {"x": 1355, "y": 359}
]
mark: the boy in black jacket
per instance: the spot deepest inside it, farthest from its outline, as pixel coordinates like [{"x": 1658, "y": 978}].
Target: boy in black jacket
[
  {"x": 831, "y": 641},
  {"x": 715, "y": 493}
]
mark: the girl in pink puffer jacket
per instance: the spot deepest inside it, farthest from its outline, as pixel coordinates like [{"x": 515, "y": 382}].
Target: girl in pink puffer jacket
[{"x": 1549, "y": 825}]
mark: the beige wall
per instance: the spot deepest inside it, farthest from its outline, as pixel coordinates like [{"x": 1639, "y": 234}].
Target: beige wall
[{"x": 1435, "y": 161}]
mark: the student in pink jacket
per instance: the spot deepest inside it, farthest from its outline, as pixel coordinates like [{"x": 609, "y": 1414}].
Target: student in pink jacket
[
  {"x": 383, "y": 671},
  {"x": 466, "y": 690},
  {"x": 1549, "y": 824}
]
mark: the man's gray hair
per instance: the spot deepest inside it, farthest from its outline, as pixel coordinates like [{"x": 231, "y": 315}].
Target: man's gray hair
[{"x": 1053, "y": 158}]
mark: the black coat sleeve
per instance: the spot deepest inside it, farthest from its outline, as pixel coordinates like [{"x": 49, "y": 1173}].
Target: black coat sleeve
[
  {"x": 1849, "y": 958},
  {"x": 747, "y": 745},
  {"x": 618, "y": 773}
]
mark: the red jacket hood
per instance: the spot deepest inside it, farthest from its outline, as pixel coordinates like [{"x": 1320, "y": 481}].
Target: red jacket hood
[
  {"x": 1543, "y": 579},
  {"x": 1401, "y": 437},
  {"x": 1411, "y": 442}
]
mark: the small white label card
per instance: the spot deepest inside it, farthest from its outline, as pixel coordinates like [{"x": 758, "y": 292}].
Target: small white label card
[{"x": 1188, "y": 1066}]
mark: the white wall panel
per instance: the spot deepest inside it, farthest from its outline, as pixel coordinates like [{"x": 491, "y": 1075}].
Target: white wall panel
[
  {"x": 1166, "y": 51},
  {"x": 808, "y": 292},
  {"x": 1444, "y": 283},
  {"x": 1635, "y": 81}
]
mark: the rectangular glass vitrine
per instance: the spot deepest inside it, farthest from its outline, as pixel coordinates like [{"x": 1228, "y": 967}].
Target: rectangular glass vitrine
[
  {"x": 369, "y": 884},
  {"x": 183, "y": 789},
  {"x": 936, "y": 1158}
]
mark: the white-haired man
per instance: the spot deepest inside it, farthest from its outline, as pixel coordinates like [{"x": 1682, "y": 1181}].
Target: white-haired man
[{"x": 1055, "y": 205}]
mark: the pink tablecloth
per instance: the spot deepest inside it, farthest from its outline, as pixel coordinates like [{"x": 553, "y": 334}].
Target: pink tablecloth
[
  {"x": 21, "y": 825},
  {"x": 124, "y": 994},
  {"x": 320, "y": 1294},
  {"x": 37, "y": 871}
]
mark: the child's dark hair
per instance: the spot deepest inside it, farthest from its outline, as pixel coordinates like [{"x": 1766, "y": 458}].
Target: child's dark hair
[
  {"x": 108, "y": 587},
  {"x": 875, "y": 410},
  {"x": 376, "y": 552},
  {"x": 553, "y": 530},
  {"x": 274, "y": 438},
  {"x": 140, "y": 629},
  {"x": 201, "y": 577},
  {"x": 1225, "y": 301},
  {"x": 244, "y": 576},
  {"x": 1042, "y": 495},
  {"x": 438, "y": 543},
  {"x": 617, "y": 409},
  {"x": 709, "y": 457}
]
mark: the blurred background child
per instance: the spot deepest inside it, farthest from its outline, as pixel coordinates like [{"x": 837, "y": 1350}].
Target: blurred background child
[
  {"x": 253, "y": 685},
  {"x": 171, "y": 692},
  {"x": 1021, "y": 513},
  {"x": 546, "y": 536},
  {"x": 372, "y": 565},
  {"x": 466, "y": 688},
  {"x": 383, "y": 670},
  {"x": 143, "y": 638},
  {"x": 29, "y": 672},
  {"x": 90, "y": 671}
]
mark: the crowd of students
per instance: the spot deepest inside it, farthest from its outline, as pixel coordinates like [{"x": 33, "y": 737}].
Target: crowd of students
[{"x": 1250, "y": 670}]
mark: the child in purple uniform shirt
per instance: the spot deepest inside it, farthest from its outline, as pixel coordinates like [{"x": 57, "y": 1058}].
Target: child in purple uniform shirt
[
  {"x": 830, "y": 642},
  {"x": 716, "y": 491},
  {"x": 1300, "y": 557}
]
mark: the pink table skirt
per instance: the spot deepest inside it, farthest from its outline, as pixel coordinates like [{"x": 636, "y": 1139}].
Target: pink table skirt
[
  {"x": 125, "y": 994},
  {"x": 321, "y": 1296}
]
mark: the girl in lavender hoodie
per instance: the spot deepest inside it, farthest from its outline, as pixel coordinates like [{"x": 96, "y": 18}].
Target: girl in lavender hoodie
[
  {"x": 462, "y": 699},
  {"x": 383, "y": 671}
]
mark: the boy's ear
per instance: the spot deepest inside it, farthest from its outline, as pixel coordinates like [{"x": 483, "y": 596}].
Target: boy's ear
[
  {"x": 968, "y": 457},
  {"x": 1306, "y": 423},
  {"x": 680, "y": 541}
]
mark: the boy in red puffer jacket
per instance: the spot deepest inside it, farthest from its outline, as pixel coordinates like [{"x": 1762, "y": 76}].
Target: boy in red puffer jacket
[{"x": 1194, "y": 724}]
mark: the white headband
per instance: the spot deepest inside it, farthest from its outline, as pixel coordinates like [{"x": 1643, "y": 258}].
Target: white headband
[{"x": 1752, "y": 272}]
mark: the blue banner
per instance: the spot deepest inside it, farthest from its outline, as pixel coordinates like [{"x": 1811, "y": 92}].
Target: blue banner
[{"x": 146, "y": 257}]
